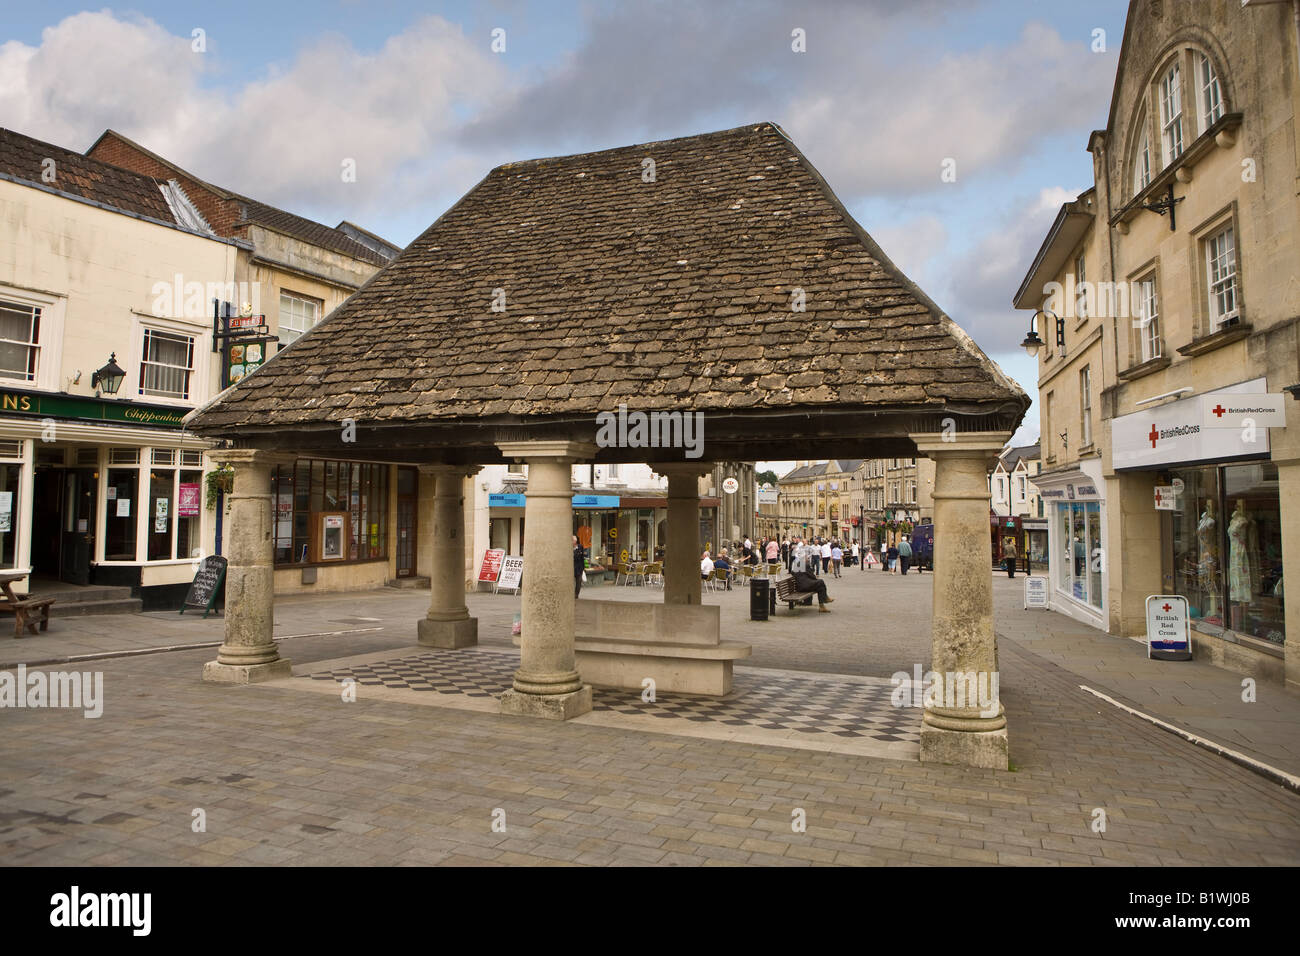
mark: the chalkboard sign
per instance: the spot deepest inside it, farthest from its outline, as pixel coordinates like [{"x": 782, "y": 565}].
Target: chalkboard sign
[{"x": 206, "y": 584}]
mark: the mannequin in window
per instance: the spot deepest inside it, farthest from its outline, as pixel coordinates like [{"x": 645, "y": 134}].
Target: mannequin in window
[
  {"x": 1207, "y": 535},
  {"x": 1243, "y": 545}
]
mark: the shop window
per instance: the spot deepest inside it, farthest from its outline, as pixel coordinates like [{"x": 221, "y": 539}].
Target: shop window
[
  {"x": 163, "y": 456},
  {"x": 1227, "y": 549},
  {"x": 167, "y": 364},
  {"x": 20, "y": 327},
  {"x": 189, "y": 513},
  {"x": 124, "y": 456},
  {"x": 192, "y": 459},
  {"x": 120, "y": 516},
  {"x": 159, "y": 517},
  {"x": 499, "y": 534},
  {"x": 10, "y": 478},
  {"x": 312, "y": 489}
]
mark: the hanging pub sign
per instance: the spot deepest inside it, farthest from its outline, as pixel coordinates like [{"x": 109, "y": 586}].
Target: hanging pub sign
[
  {"x": 1168, "y": 638},
  {"x": 242, "y": 340}
]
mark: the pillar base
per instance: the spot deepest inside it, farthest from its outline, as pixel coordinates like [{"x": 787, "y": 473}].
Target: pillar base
[
  {"x": 219, "y": 673},
  {"x": 549, "y": 706},
  {"x": 988, "y": 749},
  {"x": 448, "y": 634}
]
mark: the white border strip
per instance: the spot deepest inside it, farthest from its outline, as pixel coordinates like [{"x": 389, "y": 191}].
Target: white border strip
[{"x": 1290, "y": 781}]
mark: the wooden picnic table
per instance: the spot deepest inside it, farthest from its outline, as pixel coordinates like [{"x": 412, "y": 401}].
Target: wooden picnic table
[{"x": 28, "y": 611}]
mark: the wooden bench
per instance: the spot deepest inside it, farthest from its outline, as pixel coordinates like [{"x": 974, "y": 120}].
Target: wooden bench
[
  {"x": 29, "y": 613},
  {"x": 786, "y": 593}
]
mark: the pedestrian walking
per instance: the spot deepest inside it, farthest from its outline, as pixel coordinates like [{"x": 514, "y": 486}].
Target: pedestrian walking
[
  {"x": 893, "y": 559},
  {"x": 853, "y": 554},
  {"x": 579, "y": 566},
  {"x": 785, "y": 552},
  {"x": 773, "y": 551},
  {"x": 1009, "y": 557},
  {"x": 837, "y": 558},
  {"x": 904, "y": 555},
  {"x": 826, "y": 556}
]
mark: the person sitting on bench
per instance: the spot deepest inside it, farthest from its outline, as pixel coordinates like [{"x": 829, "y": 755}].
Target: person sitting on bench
[{"x": 810, "y": 582}]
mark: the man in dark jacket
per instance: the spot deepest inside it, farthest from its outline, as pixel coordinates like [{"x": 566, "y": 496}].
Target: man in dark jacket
[
  {"x": 803, "y": 581},
  {"x": 579, "y": 563}
]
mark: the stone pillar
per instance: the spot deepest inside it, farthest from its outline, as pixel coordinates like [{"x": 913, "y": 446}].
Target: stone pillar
[
  {"x": 955, "y": 728},
  {"x": 682, "y": 553},
  {"x": 547, "y": 682},
  {"x": 249, "y": 654},
  {"x": 1288, "y": 482},
  {"x": 448, "y": 623}
]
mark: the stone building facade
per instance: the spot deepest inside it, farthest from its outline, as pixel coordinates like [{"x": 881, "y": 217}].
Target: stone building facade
[{"x": 1183, "y": 256}]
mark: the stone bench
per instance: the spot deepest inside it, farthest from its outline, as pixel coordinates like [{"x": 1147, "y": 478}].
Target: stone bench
[{"x": 621, "y": 643}]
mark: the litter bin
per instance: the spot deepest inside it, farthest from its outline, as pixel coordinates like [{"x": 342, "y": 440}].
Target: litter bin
[{"x": 758, "y": 599}]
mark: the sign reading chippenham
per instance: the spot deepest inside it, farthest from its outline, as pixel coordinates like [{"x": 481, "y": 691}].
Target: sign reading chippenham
[
  {"x": 1167, "y": 635},
  {"x": 92, "y": 409}
]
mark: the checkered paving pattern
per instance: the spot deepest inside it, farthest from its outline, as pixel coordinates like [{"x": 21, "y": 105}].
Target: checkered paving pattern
[{"x": 826, "y": 705}]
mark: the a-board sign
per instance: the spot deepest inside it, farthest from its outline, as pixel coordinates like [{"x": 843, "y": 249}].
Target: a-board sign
[
  {"x": 1167, "y": 634},
  {"x": 512, "y": 573},
  {"x": 1036, "y": 591},
  {"x": 491, "y": 565},
  {"x": 206, "y": 584}
]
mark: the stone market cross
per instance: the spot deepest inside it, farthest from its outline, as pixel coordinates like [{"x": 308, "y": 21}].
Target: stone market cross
[{"x": 715, "y": 273}]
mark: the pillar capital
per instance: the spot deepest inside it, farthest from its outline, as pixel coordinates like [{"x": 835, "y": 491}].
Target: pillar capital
[
  {"x": 251, "y": 457},
  {"x": 963, "y": 444},
  {"x": 558, "y": 450}
]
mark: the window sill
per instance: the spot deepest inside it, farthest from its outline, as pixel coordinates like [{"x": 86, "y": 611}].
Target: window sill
[
  {"x": 1145, "y": 368},
  {"x": 1215, "y": 340}
]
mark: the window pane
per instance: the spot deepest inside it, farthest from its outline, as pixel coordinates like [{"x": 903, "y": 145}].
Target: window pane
[
  {"x": 1254, "y": 552},
  {"x": 160, "y": 514},
  {"x": 120, "y": 517}
]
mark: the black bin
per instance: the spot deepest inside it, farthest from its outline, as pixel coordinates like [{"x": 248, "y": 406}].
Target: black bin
[{"x": 758, "y": 599}]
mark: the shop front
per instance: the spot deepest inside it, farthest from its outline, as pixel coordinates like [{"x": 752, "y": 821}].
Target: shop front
[
  {"x": 101, "y": 492},
  {"x": 1220, "y": 517},
  {"x": 1077, "y": 570}
]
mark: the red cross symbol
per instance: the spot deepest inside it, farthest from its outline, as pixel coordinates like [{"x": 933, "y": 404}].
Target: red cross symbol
[
  {"x": 1218, "y": 410},
  {"x": 1166, "y": 607},
  {"x": 1153, "y": 436},
  {"x": 1159, "y": 497}
]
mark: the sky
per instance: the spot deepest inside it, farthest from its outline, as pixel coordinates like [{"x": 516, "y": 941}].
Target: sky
[{"x": 271, "y": 99}]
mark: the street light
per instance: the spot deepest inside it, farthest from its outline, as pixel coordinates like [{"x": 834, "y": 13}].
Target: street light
[
  {"x": 1032, "y": 342},
  {"x": 109, "y": 378}
]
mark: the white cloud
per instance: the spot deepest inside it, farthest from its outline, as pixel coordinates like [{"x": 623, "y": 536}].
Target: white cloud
[{"x": 281, "y": 138}]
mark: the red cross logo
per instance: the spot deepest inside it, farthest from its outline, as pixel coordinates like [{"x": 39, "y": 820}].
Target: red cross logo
[
  {"x": 1159, "y": 498},
  {"x": 1218, "y": 410},
  {"x": 1153, "y": 436},
  {"x": 1166, "y": 607}
]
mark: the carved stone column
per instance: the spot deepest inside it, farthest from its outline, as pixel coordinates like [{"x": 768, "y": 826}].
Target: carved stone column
[
  {"x": 547, "y": 682},
  {"x": 966, "y": 723},
  {"x": 682, "y": 553},
  {"x": 249, "y": 653},
  {"x": 448, "y": 623}
]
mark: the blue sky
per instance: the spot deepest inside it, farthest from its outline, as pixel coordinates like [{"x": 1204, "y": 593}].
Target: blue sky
[{"x": 284, "y": 91}]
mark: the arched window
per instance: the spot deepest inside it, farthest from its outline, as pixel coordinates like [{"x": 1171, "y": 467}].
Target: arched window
[
  {"x": 1142, "y": 156},
  {"x": 1211, "y": 93},
  {"x": 1171, "y": 112}
]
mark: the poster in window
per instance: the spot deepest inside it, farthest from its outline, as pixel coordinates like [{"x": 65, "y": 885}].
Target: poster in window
[
  {"x": 112, "y": 493},
  {"x": 160, "y": 507},
  {"x": 160, "y": 524},
  {"x": 187, "y": 501},
  {"x": 124, "y": 507},
  {"x": 6, "y": 510}
]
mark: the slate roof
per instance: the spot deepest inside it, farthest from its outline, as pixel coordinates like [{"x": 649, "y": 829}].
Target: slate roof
[
  {"x": 1013, "y": 456},
  {"x": 671, "y": 294},
  {"x": 23, "y": 157}
]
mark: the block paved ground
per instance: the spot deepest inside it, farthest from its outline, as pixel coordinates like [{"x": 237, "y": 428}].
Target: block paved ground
[{"x": 293, "y": 777}]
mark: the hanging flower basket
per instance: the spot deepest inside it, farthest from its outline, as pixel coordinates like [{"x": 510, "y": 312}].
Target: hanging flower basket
[{"x": 219, "y": 482}]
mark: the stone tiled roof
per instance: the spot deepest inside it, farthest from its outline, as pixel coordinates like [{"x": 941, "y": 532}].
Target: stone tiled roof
[
  {"x": 665, "y": 295},
  {"x": 23, "y": 157}
]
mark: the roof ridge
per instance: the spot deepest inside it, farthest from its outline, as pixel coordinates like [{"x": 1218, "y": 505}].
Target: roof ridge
[{"x": 753, "y": 127}]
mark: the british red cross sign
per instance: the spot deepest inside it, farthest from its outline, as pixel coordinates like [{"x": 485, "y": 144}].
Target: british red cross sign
[
  {"x": 1243, "y": 409},
  {"x": 1168, "y": 637},
  {"x": 1166, "y": 499}
]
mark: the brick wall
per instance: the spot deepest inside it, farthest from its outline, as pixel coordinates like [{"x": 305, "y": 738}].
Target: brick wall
[{"x": 221, "y": 214}]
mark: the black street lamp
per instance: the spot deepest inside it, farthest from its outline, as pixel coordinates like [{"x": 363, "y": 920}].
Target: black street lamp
[
  {"x": 109, "y": 378},
  {"x": 1032, "y": 342}
]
